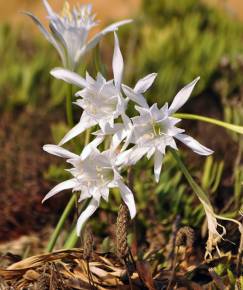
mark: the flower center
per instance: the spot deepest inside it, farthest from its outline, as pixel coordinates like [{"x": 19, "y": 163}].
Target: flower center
[
  {"x": 158, "y": 129},
  {"x": 105, "y": 175},
  {"x": 78, "y": 16}
]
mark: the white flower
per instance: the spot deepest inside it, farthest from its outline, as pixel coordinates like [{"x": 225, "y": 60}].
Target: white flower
[
  {"x": 101, "y": 100},
  {"x": 93, "y": 175},
  {"x": 155, "y": 129},
  {"x": 69, "y": 31}
]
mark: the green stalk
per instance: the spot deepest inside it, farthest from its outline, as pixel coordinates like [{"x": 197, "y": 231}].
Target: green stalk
[
  {"x": 61, "y": 222},
  {"x": 69, "y": 110},
  {"x": 232, "y": 127},
  {"x": 72, "y": 239}
]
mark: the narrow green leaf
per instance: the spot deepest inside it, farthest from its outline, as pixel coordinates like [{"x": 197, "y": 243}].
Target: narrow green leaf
[
  {"x": 232, "y": 127},
  {"x": 196, "y": 188}
]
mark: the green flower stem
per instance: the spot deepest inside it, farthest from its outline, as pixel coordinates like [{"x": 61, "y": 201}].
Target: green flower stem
[
  {"x": 72, "y": 239},
  {"x": 61, "y": 222},
  {"x": 232, "y": 127},
  {"x": 69, "y": 110}
]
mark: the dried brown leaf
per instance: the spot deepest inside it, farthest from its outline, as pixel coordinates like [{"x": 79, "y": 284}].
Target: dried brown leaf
[{"x": 145, "y": 273}]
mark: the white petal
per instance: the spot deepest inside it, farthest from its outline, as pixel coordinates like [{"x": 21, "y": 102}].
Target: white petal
[
  {"x": 123, "y": 158},
  {"x": 84, "y": 123},
  {"x": 86, "y": 214},
  {"x": 194, "y": 144},
  {"x": 48, "y": 36},
  {"x": 128, "y": 198},
  {"x": 145, "y": 83},
  {"x": 59, "y": 151},
  {"x": 93, "y": 42},
  {"x": 131, "y": 156},
  {"x": 84, "y": 195},
  {"x": 135, "y": 97},
  {"x": 117, "y": 63},
  {"x": 170, "y": 142},
  {"x": 137, "y": 154},
  {"x": 89, "y": 148},
  {"x": 68, "y": 184},
  {"x": 158, "y": 160},
  {"x": 150, "y": 152},
  {"x": 40, "y": 26},
  {"x": 117, "y": 138},
  {"x": 115, "y": 26},
  {"x": 69, "y": 77},
  {"x": 48, "y": 8},
  {"x": 182, "y": 97},
  {"x": 105, "y": 193}
]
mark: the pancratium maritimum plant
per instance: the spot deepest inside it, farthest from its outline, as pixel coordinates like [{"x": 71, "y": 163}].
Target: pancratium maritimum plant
[
  {"x": 69, "y": 31},
  {"x": 104, "y": 105},
  {"x": 93, "y": 176}
]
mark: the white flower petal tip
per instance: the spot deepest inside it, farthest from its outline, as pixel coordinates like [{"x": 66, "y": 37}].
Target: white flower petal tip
[
  {"x": 84, "y": 123},
  {"x": 69, "y": 77},
  {"x": 158, "y": 160},
  {"x": 86, "y": 214},
  {"x": 135, "y": 97},
  {"x": 68, "y": 184},
  {"x": 59, "y": 151},
  {"x": 182, "y": 96},
  {"x": 117, "y": 63},
  {"x": 194, "y": 145},
  {"x": 48, "y": 8},
  {"x": 145, "y": 83},
  {"x": 128, "y": 198}
]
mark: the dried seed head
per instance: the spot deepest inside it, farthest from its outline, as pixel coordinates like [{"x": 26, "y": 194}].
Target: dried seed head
[
  {"x": 185, "y": 237},
  {"x": 88, "y": 243},
  {"x": 121, "y": 231}
]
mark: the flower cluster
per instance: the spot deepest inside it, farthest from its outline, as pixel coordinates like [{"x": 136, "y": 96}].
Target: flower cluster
[{"x": 104, "y": 103}]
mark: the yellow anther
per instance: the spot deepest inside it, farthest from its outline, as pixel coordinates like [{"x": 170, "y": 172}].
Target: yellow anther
[{"x": 66, "y": 11}]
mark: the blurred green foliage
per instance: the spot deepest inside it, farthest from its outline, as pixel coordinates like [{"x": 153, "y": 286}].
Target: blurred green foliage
[
  {"x": 181, "y": 40},
  {"x": 24, "y": 73}
]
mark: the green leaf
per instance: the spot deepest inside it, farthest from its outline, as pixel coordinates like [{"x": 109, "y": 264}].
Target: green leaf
[
  {"x": 232, "y": 127},
  {"x": 196, "y": 188}
]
